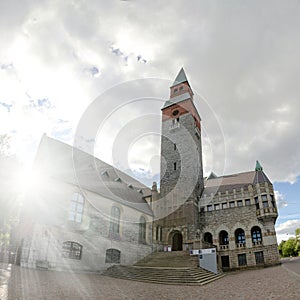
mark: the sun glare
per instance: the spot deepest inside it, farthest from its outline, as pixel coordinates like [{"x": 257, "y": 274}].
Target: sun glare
[{"x": 28, "y": 179}]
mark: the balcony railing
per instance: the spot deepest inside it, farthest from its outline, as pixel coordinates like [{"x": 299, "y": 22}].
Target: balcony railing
[
  {"x": 257, "y": 243},
  {"x": 241, "y": 245},
  {"x": 266, "y": 210},
  {"x": 224, "y": 247}
]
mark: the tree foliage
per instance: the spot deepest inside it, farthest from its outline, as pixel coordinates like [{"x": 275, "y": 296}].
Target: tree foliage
[{"x": 291, "y": 247}]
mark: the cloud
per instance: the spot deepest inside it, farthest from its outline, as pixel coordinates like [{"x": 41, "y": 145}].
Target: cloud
[
  {"x": 286, "y": 230},
  {"x": 242, "y": 58},
  {"x": 288, "y": 227},
  {"x": 281, "y": 202},
  {"x": 6, "y": 105}
]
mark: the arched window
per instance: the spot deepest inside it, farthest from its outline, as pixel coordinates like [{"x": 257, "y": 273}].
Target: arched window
[
  {"x": 115, "y": 220},
  {"x": 142, "y": 230},
  {"x": 223, "y": 238},
  {"x": 256, "y": 235},
  {"x": 208, "y": 238},
  {"x": 113, "y": 256},
  {"x": 240, "y": 237},
  {"x": 72, "y": 250},
  {"x": 76, "y": 208}
]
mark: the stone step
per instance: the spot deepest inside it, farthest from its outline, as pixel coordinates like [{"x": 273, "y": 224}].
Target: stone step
[
  {"x": 181, "y": 276},
  {"x": 169, "y": 259}
]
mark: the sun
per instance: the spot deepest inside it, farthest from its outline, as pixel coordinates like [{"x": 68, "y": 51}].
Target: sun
[{"x": 28, "y": 179}]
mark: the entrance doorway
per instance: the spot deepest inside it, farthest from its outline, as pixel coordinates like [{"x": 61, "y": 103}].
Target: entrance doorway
[{"x": 177, "y": 241}]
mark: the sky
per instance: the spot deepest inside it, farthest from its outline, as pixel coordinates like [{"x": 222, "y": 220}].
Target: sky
[{"x": 95, "y": 74}]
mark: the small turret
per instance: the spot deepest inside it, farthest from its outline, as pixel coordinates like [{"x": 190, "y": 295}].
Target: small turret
[{"x": 258, "y": 166}]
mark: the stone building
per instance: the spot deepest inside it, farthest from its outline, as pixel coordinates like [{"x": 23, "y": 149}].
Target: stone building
[
  {"x": 86, "y": 215},
  {"x": 235, "y": 214},
  {"x": 82, "y": 214}
]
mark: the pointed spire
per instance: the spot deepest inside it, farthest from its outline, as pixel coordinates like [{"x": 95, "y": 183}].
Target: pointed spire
[
  {"x": 180, "y": 78},
  {"x": 258, "y": 166}
]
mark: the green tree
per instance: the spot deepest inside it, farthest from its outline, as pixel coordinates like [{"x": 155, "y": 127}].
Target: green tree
[
  {"x": 288, "y": 249},
  {"x": 297, "y": 246},
  {"x": 280, "y": 246}
]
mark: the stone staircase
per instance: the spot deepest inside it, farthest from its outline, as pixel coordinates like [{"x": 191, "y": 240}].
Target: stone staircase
[
  {"x": 175, "y": 259},
  {"x": 178, "y": 268}
]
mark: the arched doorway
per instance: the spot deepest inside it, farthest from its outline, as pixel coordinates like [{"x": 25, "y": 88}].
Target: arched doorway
[{"x": 177, "y": 241}]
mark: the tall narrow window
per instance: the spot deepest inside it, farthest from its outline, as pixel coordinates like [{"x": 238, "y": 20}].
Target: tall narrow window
[
  {"x": 76, "y": 208},
  {"x": 208, "y": 238},
  {"x": 157, "y": 233},
  {"x": 223, "y": 238},
  {"x": 72, "y": 250},
  {"x": 115, "y": 220},
  {"x": 256, "y": 235},
  {"x": 142, "y": 230},
  {"x": 259, "y": 257},
  {"x": 175, "y": 147},
  {"x": 242, "y": 259},
  {"x": 175, "y": 166},
  {"x": 240, "y": 237},
  {"x": 160, "y": 234}
]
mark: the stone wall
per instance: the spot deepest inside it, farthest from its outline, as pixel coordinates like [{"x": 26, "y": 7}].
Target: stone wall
[{"x": 50, "y": 229}]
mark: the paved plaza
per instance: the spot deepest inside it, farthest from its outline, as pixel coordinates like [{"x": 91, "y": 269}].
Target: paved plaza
[{"x": 280, "y": 282}]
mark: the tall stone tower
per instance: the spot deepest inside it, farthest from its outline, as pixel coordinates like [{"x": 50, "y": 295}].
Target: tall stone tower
[{"x": 181, "y": 171}]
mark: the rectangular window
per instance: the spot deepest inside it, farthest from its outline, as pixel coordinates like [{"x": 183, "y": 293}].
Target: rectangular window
[
  {"x": 217, "y": 206},
  {"x": 265, "y": 204},
  {"x": 76, "y": 208},
  {"x": 259, "y": 257},
  {"x": 247, "y": 202},
  {"x": 224, "y": 205},
  {"x": 231, "y": 204},
  {"x": 242, "y": 259},
  {"x": 256, "y": 200},
  {"x": 240, "y": 203},
  {"x": 209, "y": 208},
  {"x": 175, "y": 166},
  {"x": 264, "y": 198},
  {"x": 175, "y": 147}
]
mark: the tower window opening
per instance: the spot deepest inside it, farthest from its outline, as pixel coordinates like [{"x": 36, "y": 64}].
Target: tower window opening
[
  {"x": 175, "y": 166},
  {"x": 175, "y": 147}
]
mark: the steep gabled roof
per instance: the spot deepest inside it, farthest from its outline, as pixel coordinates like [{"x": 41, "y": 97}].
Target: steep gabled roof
[
  {"x": 180, "y": 78},
  {"x": 228, "y": 182},
  {"x": 214, "y": 184},
  {"x": 71, "y": 165}
]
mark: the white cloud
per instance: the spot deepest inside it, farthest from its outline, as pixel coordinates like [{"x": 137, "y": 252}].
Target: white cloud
[
  {"x": 280, "y": 201},
  {"x": 288, "y": 227},
  {"x": 247, "y": 69}
]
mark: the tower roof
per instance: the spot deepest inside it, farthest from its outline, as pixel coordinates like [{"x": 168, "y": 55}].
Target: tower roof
[
  {"x": 180, "y": 78},
  {"x": 258, "y": 166}
]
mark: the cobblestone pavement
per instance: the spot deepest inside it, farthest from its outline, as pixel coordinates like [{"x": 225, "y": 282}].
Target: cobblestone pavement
[{"x": 270, "y": 283}]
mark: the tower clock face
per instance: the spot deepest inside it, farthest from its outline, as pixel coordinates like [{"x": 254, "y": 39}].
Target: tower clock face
[{"x": 175, "y": 112}]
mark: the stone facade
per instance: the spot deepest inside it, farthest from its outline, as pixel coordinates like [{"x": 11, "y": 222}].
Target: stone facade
[
  {"x": 235, "y": 214},
  {"x": 70, "y": 226},
  {"x": 86, "y": 215},
  {"x": 181, "y": 181}
]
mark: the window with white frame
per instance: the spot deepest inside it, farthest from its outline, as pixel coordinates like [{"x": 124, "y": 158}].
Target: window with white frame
[
  {"x": 115, "y": 220},
  {"x": 76, "y": 208}
]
